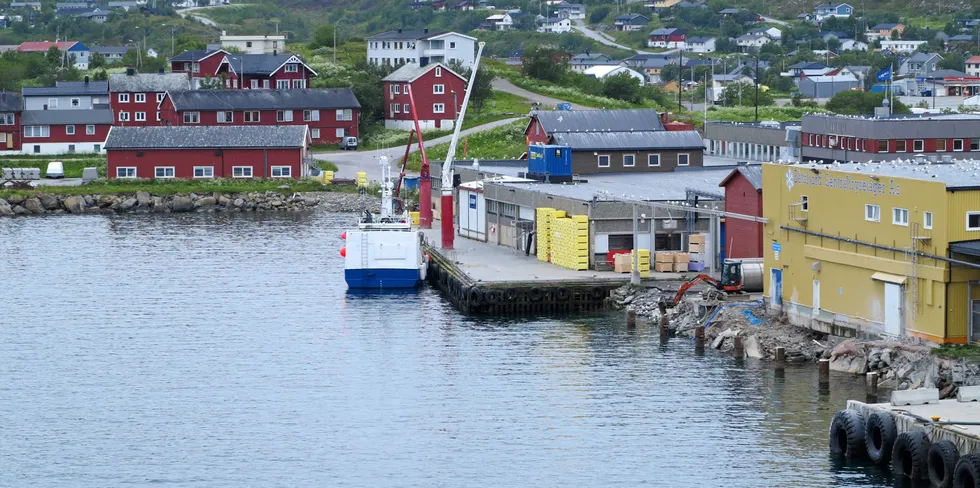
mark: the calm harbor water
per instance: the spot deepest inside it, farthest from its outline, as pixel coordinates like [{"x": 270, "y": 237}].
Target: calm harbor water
[{"x": 224, "y": 350}]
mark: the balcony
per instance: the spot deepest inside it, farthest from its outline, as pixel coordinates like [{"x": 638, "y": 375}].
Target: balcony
[
  {"x": 918, "y": 233},
  {"x": 434, "y": 53},
  {"x": 797, "y": 214}
]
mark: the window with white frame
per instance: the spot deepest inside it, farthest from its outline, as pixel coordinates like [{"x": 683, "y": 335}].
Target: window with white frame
[
  {"x": 957, "y": 144},
  {"x": 311, "y": 115},
  {"x": 37, "y": 131},
  {"x": 292, "y": 68},
  {"x": 438, "y": 71},
  {"x": 192, "y": 117},
  {"x": 160, "y": 97},
  {"x": 407, "y": 109},
  {"x": 900, "y": 216},
  {"x": 284, "y": 116},
  {"x": 438, "y": 108},
  {"x": 918, "y": 145},
  {"x": 7, "y": 119},
  {"x": 940, "y": 145},
  {"x": 396, "y": 108},
  {"x": 140, "y": 98},
  {"x": 252, "y": 116},
  {"x": 126, "y": 172},
  {"x": 345, "y": 114},
  {"x": 196, "y": 68},
  {"x": 282, "y": 84},
  {"x": 140, "y": 116},
  {"x": 52, "y": 103},
  {"x": 603, "y": 160},
  {"x": 158, "y": 116},
  {"x": 90, "y": 130},
  {"x": 340, "y": 132},
  {"x": 282, "y": 171},
  {"x": 315, "y": 133},
  {"x": 973, "y": 221},
  {"x": 299, "y": 84},
  {"x": 70, "y": 130},
  {"x": 804, "y": 203},
  {"x": 900, "y": 145},
  {"x": 124, "y": 98},
  {"x": 241, "y": 171},
  {"x": 124, "y": 116},
  {"x": 253, "y": 84},
  {"x": 872, "y": 213},
  {"x": 163, "y": 172},
  {"x": 226, "y": 117},
  {"x": 927, "y": 220},
  {"x": 204, "y": 171},
  {"x": 653, "y": 160},
  {"x": 438, "y": 89},
  {"x": 683, "y": 159},
  {"x": 396, "y": 89},
  {"x": 452, "y": 45},
  {"x": 629, "y": 160}
]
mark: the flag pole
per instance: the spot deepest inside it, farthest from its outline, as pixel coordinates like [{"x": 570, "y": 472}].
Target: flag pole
[{"x": 891, "y": 86}]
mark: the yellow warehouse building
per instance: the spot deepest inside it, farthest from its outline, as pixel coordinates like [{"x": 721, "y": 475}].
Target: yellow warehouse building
[{"x": 876, "y": 248}]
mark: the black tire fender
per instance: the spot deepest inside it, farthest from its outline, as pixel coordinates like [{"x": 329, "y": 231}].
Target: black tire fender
[
  {"x": 562, "y": 294},
  {"x": 910, "y": 454},
  {"x": 535, "y": 294},
  {"x": 880, "y": 434},
  {"x": 598, "y": 293},
  {"x": 942, "y": 460},
  {"x": 967, "y": 472},
  {"x": 491, "y": 296},
  {"x": 475, "y": 296},
  {"x": 510, "y": 294},
  {"x": 847, "y": 434}
]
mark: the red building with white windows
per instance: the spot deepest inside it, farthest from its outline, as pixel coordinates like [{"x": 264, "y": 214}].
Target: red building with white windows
[
  {"x": 667, "y": 37},
  {"x": 64, "y": 131},
  {"x": 276, "y": 71},
  {"x": 208, "y": 152},
  {"x": 11, "y": 108},
  {"x": 330, "y": 113},
  {"x": 743, "y": 195},
  {"x": 437, "y": 91},
  {"x": 135, "y": 97}
]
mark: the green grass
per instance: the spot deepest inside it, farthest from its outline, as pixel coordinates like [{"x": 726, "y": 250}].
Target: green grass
[
  {"x": 747, "y": 114},
  {"x": 175, "y": 187},
  {"x": 968, "y": 352},
  {"x": 563, "y": 93},
  {"x": 73, "y": 167},
  {"x": 937, "y": 22},
  {"x": 327, "y": 166},
  {"x": 504, "y": 142}
]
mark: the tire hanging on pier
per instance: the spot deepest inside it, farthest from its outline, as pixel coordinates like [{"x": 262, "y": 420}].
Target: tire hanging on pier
[
  {"x": 562, "y": 294},
  {"x": 598, "y": 293},
  {"x": 847, "y": 434},
  {"x": 535, "y": 294},
  {"x": 910, "y": 454},
  {"x": 880, "y": 437},
  {"x": 510, "y": 294},
  {"x": 967, "y": 474},
  {"x": 492, "y": 296},
  {"x": 941, "y": 462},
  {"x": 475, "y": 296}
]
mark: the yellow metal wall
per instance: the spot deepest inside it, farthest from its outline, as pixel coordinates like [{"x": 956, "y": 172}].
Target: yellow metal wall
[
  {"x": 837, "y": 207},
  {"x": 961, "y": 202}
]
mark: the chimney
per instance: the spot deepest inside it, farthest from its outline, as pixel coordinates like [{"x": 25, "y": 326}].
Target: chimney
[
  {"x": 86, "y": 79},
  {"x": 130, "y": 71},
  {"x": 426, "y": 30},
  {"x": 399, "y": 30},
  {"x": 275, "y": 52}
]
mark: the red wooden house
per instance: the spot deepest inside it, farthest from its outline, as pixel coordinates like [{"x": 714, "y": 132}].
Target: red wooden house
[
  {"x": 11, "y": 108},
  {"x": 198, "y": 64},
  {"x": 743, "y": 194},
  {"x": 330, "y": 113},
  {"x": 135, "y": 97},
  {"x": 437, "y": 91},
  {"x": 64, "y": 131},
  {"x": 267, "y": 71},
  {"x": 667, "y": 37},
  {"x": 208, "y": 152}
]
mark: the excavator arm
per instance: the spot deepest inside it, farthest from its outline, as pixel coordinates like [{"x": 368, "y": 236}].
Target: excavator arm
[{"x": 685, "y": 287}]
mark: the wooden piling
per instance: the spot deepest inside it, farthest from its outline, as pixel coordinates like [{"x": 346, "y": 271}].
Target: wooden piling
[
  {"x": 631, "y": 318},
  {"x": 872, "y": 383},
  {"x": 739, "y": 347},
  {"x": 780, "y": 354},
  {"x": 699, "y": 337},
  {"x": 824, "y": 370}
]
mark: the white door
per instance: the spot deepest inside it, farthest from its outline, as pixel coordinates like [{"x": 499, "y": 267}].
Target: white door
[
  {"x": 893, "y": 309},
  {"x": 816, "y": 297}
]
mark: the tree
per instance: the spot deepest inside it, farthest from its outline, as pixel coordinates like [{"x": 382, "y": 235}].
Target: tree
[
  {"x": 101, "y": 75},
  {"x": 953, "y": 60},
  {"x": 96, "y": 60},
  {"x": 744, "y": 94},
  {"x": 482, "y": 89},
  {"x": 862, "y": 103},
  {"x": 544, "y": 63},
  {"x": 730, "y": 28},
  {"x": 623, "y": 87},
  {"x": 669, "y": 73},
  {"x": 724, "y": 45},
  {"x": 323, "y": 37},
  {"x": 598, "y": 14},
  {"x": 211, "y": 83},
  {"x": 188, "y": 43}
]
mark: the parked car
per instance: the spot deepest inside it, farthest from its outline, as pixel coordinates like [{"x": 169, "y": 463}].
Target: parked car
[
  {"x": 55, "y": 170},
  {"x": 348, "y": 142}
]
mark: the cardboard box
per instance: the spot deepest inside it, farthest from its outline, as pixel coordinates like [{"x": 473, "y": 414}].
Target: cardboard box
[
  {"x": 695, "y": 239},
  {"x": 695, "y": 247},
  {"x": 664, "y": 257},
  {"x": 681, "y": 257},
  {"x": 623, "y": 263},
  {"x": 663, "y": 267},
  {"x": 680, "y": 267}
]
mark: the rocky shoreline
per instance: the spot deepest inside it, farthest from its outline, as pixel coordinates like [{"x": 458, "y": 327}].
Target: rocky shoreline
[
  {"x": 901, "y": 364},
  {"x": 146, "y": 202}
]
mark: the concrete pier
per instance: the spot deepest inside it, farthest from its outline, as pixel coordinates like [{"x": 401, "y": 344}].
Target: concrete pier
[{"x": 966, "y": 437}]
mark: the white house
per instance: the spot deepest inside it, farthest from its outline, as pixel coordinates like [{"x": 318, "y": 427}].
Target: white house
[
  {"x": 603, "y": 72},
  {"x": 826, "y": 10},
  {"x": 554, "y": 25},
  {"x": 259, "y": 44},
  {"x": 701, "y": 44},
  {"x": 771, "y": 32},
  {"x": 751, "y": 42},
  {"x": 501, "y": 22},
  {"x": 398, "y": 47},
  {"x": 573, "y": 11},
  {"x": 901, "y": 46},
  {"x": 853, "y": 45}
]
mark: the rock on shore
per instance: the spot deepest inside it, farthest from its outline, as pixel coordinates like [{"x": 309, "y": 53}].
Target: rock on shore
[{"x": 145, "y": 202}]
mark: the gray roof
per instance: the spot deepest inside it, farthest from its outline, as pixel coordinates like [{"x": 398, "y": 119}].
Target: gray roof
[
  {"x": 11, "y": 102},
  {"x": 403, "y": 35},
  {"x": 411, "y": 71},
  {"x": 858, "y": 69},
  {"x": 68, "y": 88},
  {"x": 207, "y": 137},
  {"x": 259, "y": 64},
  {"x": 62, "y": 117},
  {"x": 193, "y": 55},
  {"x": 632, "y": 17},
  {"x": 961, "y": 38},
  {"x": 926, "y": 126},
  {"x": 553, "y": 121},
  {"x": 753, "y": 173},
  {"x": 658, "y": 186},
  {"x": 112, "y": 49},
  {"x": 699, "y": 39},
  {"x": 946, "y": 73},
  {"x": 957, "y": 174},
  {"x": 323, "y": 98},
  {"x": 616, "y": 141},
  {"x": 148, "y": 82},
  {"x": 664, "y": 31},
  {"x": 923, "y": 57},
  {"x": 885, "y": 26}
]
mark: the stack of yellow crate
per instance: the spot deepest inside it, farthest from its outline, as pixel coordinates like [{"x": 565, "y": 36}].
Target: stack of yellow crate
[
  {"x": 570, "y": 241},
  {"x": 643, "y": 262},
  {"x": 362, "y": 180},
  {"x": 543, "y": 232}
]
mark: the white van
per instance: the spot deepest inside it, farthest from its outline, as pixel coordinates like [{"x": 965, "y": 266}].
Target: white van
[{"x": 55, "y": 170}]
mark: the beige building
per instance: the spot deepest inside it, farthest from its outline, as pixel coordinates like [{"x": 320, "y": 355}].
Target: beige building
[{"x": 254, "y": 44}]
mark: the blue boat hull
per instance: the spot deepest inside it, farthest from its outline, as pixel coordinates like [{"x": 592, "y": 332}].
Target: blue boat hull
[{"x": 382, "y": 278}]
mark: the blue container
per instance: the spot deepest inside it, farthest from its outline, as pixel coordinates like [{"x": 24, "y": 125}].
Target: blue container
[
  {"x": 411, "y": 183},
  {"x": 564, "y": 106},
  {"x": 555, "y": 161}
]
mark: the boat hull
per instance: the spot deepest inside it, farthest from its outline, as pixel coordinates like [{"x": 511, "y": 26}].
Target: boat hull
[{"x": 382, "y": 278}]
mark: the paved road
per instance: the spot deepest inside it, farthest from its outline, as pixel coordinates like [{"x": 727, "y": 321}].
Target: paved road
[
  {"x": 502, "y": 84},
  {"x": 350, "y": 162},
  {"x": 775, "y": 21},
  {"x": 184, "y": 13},
  {"x": 600, "y": 37}
]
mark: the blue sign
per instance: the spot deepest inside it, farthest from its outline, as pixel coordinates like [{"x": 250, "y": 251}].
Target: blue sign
[
  {"x": 884, "y": 75},
  {"x": 473, "y": 200},
  {"x": 776, "y": 247}
]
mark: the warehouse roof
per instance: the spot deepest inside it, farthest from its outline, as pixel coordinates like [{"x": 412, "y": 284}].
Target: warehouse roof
[
  {"x": 751, "y": 173},
  {"x": 956, "y": 174},
  {"x": 553, "y": 121},
  {"x": 643, "y": 186},
  {"x": 207, "y": 137},
  {"x": 617, "y": 141},
  {"x": 148, "y": 82},
  {"x": 67, "y": 117},
  {"x": 321, "y": 98}
]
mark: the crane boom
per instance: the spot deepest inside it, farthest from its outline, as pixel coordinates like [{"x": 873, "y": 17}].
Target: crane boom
[{"x": 447, "y": 166}]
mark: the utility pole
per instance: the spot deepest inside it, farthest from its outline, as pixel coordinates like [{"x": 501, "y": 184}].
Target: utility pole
[
  {"x": 635, "y": 275},
  {"x": 757, "y": 87},
  {"x": 680, "y": 80}
]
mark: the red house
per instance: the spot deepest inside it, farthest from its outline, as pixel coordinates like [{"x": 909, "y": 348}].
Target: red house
[
  {"x": 667, "y": 37},
  {"x": 208, "y": 152},
  {"x": 64, "y": 131},
  {"x": 275, "y": 71},
  {"x": 197, "y": 64},
  {"x": 135, "y": 97},
  {"x": 11, "y": 108},
  {"x": 330, "y": 113},
  {"x": 437, "y": 91},
  {"x": 743, "y": 194}
]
